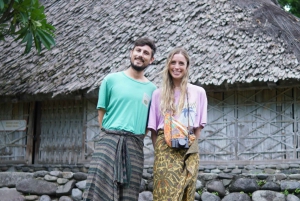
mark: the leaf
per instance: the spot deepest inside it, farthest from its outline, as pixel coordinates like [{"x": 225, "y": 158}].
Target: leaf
[
  {"x": 14, "y": 21},
  {"x": 25, "y": 39},
  {"x": 43, "y": 39},
  {"x": 50, "y": 27},
  {"x": 12, "y": 27},
  {"x": 23, "y": 29},
  {"x": 37, "y": 23},
  {"x": 1, "y": 4},
  {"x": 46, "y": 38},
  {"x": 24, "y": 18},
  {"x": 29, "y": 42},
  {"x": 37, "y": 43},
  {"x": 22, "y": 32},
  {"x": 49, "y": 38}
]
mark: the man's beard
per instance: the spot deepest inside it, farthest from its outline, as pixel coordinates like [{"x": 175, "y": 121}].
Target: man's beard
[{"x": 138, "y": 68}]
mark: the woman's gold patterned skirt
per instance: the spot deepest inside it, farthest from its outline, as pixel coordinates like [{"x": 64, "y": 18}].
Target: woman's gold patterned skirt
[{"x": 175, "y": 171}]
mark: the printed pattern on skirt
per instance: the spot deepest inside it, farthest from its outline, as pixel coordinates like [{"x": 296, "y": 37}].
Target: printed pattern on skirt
[{"x": 175, "y": 171}]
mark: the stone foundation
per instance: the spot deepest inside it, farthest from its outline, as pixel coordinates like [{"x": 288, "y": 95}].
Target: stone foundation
[{"x": 241, "y": 183}]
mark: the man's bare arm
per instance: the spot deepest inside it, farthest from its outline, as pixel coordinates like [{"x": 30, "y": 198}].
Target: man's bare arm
[{"x": 101, "y": 113}]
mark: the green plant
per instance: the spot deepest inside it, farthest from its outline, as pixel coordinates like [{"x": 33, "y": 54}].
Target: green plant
[
  {"x": 215, "y": 193},
  {"x": 242, "y": 192},
  {"x": 285, "y": 192},
  {"x": 297, "y": 191},
  {"x": 261, "y": 182},
  {"x": 25, "y": 20},
  {"x": 200, "y": 192},
  {"x": 250, "y": 194}
]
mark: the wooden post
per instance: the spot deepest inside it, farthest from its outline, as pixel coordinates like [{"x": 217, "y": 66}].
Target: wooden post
[
  {"x": 84, "y": 129},
  {"x": 295, "y": 124},
  {"x": 37, "y": 133},
  {"x": 236, "y": 130},
  {"x": 30, "y": 133}
]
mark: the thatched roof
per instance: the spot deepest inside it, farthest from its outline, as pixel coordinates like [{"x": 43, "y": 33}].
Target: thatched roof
[{"x": 230, "y": 42}]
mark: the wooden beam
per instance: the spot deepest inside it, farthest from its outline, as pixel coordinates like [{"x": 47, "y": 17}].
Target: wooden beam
[
  {"x": 250, "y": 162},
  {"x": 30, "y": 133},
  {"x": 37, "y": 133}
]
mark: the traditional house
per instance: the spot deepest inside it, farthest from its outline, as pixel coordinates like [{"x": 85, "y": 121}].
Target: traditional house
[{"x": 245, "y": 53}]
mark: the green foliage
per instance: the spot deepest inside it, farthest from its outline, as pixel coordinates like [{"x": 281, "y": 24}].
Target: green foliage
[
  {"x": 261, "y": 182},
  {"x": 250, "y": 194},
  {"x": 285, "y": 192},
  {"x": 292, "y": 5},
  {"x": 200, "y": 191},
  {"x": 26, "y": 21}
]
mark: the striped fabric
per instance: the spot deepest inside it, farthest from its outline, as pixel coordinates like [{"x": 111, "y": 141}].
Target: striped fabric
[{"x": 112, "y": 176}]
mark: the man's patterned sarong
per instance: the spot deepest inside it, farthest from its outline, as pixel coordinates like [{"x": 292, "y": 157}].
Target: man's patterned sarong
[
  {"x": 175, "y": 171},
  {"x": 116, "y": 168}
]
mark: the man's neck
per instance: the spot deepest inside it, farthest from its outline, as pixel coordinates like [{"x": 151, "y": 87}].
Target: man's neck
[{"x": 137, "y": 75}]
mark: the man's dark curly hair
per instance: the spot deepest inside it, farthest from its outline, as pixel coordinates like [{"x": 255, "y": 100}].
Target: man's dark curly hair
[{"x": 145, "y": 41}]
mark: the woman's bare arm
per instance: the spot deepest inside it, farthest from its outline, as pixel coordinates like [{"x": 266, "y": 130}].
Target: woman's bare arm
[{"x": 197, "y": 132}]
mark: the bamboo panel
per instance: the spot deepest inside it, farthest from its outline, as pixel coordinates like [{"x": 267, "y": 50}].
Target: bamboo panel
[
  {"x": 229, "y": 107},
  {"x": 246, "y": 121},
  {"x": 61, "y": 132},
  {"x": 288, "y": 123},
  {"x": 13, "y": 143},
  {"x": 258, "y": 124},
  {"x": 215, "y": 142},
  {"x": 252, "y": 125},
  {"x": 297, "y": 123},
  {"x": 92, "y": 127}
]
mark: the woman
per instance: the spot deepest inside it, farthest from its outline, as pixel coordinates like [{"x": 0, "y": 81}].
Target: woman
[{"x": 178, "y": 112}]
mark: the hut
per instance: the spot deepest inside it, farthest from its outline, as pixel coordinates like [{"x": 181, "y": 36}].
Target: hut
[{"x": 245, "y": 53}]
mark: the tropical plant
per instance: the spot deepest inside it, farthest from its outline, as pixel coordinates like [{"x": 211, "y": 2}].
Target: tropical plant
[{"x": 26, "y": 22}]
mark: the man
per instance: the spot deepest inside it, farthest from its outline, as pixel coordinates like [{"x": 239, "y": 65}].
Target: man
[{"x": 116, "y": 168}]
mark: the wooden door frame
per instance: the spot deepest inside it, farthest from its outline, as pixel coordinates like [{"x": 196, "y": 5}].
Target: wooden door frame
[
  {"x": 37, "y": 135},
  {"x": 30, "y": 133}
]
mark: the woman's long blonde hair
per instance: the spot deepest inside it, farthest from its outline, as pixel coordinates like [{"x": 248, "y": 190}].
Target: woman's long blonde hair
[{"x": 167, "y": 97}]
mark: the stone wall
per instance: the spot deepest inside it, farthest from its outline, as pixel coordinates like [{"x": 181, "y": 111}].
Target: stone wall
[{"x": 227, "y": 183}]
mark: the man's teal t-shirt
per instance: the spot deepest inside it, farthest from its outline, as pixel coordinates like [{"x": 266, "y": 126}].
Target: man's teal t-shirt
[{"x": 126, "y": 102}]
